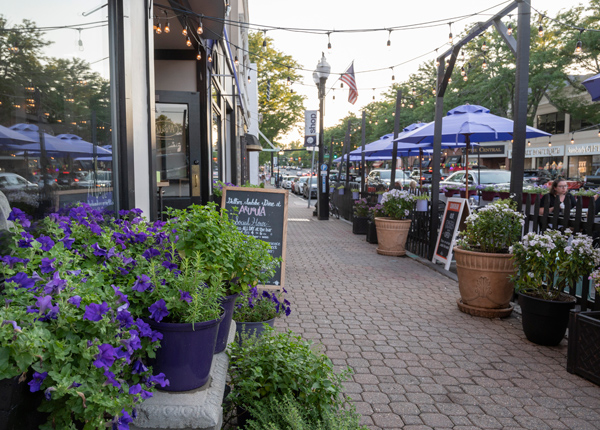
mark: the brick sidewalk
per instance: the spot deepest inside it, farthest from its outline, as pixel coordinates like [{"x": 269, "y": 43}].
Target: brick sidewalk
[{"x": 418, "y": 362}]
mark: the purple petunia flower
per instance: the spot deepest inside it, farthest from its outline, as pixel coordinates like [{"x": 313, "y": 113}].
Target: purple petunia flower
[
  {"x": 138, "y": 367},
  {"x": 184, "y": 296},
  {"x": 10, "y": 261},
  {"x": 56, "y": 285},
  {"x": 98, "y": 251},
  {"x": 132, "y": 344},
  {"x": 48, "y": 392},
  {"x": 94, "y": 312},
  {"x": 159, "y": 380},
  {"x": 74, "y": 385},
  {"x": 142, "y": 283},
  {"x": 46, "y": 242},
  {"x": 36, "y": 382},
  {"x": 67, "y": 242},
  {"x": 158, "y": 310},
  {"x": 122, "y": 298},
  {"x": 22, "y": 280},
  {"x": 146, "y": 331},
  {"x": 125, "y": 319},
  {"x": 13, "y": 323},
  {"x": 43, "y": 303},
  {"x": 169, "y": 265},
  {"x": 47, "y": 265},
  {"x": 135, "y": 389},
  {"x": 26, "y": 240},
  {"x": 110, "y": 379},
  {"x": 75, "y": 300},
  {"x": 18, "y": 214},
  {"x": 140, "y": 237},
  {"x": 146, "y": 394},
  {"x": 106, "y": 357},
  {"x": 150, "y": 253},
  {"x": 122, "y": 422}
]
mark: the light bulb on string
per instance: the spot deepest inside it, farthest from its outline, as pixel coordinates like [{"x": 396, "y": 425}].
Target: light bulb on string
[
  {"x": 579, "y": 46},
  {"x": 167, "y": 26},
  {"x": 80, "y": 42},
  {"x": 341, "y": 85},
  {"x": 209, "y": 59},
  {"x": 450, "y": 80},
  {"x": 414, "y": 92},
  {"x": 484, "y": 46},
  {"x": 188, "y": 42},
  {"x": 450, "y": 38},
  {"x": 389, "y": 41},
  {"x": 572, "y": 139},
  {"x": 184, "y": 31},
  {"x": 465, "y": 78},
  {"x": 509, "y": 30},
  {"x": 484, "y": 64},
  {"x": 549, "y": 143},
  {"x": 541, "y": 31},
  {"x": 410, "y": 106},
  {"x": 422, "y": 102},
  {"x": 462, "y": 71},
  {"x": 249, "y": 79},
  {"x": 237, "y": 62},
  {"x": 433, "y": 91},
  {"x": 329, "y": 42},
  {"x": 264, "y": 44},
  {"x": 199, "y": 56},
  {"x": 289, "y": 82},
  {"x": 529, "y": 143}
]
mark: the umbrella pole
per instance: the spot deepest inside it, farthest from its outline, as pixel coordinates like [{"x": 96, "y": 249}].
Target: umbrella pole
[
  {"x": 420, "y": 169},
  {"x": 467, "y": 140}
]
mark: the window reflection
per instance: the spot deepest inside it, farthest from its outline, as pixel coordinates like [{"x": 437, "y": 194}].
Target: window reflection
[
  {"x": 172, "y": 149},
  {"x": 216, "y": 147},
  {"x": 56, "y": 135}
]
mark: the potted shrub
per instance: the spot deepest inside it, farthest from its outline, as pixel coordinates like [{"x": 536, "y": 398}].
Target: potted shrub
[
  {"x": 422, "y": 203},
  {"x": 355, "y": 193},
  {"x": 244, "y": 261},
  {"x": 374, "y": 212},
  {"x": 66, "y": 323},
  {"x": 586, "y": 196},
  {"x": 361, "y": 216},
  {"x": 547, "y": 265},
  {"x": 340, "y": 189},
  {"x": 379, "y": 194},
  {"x": 288, "y": 366},
  {"x": 489, "y": 192},
  {"x": 583, "y": 355},
  {"x": 484, "y": 264},
  {"x": 392, "y": 230},
  {"x": 534, "y": 192},
  {"x": 257, "y": 308},
  {"x": 451, "y": 191},
  {"x": 472, "y": 191}
]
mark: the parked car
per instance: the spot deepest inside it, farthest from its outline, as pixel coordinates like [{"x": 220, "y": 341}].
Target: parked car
[
  {"x": 286, "y": 182},
  {"x": 299, "y": 185},
  {"x": 426, "y": 176},
  {"x": 483, "y": 177},
  {"x": 313, "y": 188},
  {"x": 99, "y": 179},
  {"x": 14, "y": 182},
  {"x": 536, "y": 176},
  {"x": 382, "y": 177}
]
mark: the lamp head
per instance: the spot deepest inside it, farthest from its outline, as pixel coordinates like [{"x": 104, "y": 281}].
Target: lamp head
[{"x": 323, "y": 68}]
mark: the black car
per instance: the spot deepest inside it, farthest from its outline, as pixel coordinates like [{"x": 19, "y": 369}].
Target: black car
[
  {"x": 426, "y": 176},
  {"x": 537, "y": 176}
]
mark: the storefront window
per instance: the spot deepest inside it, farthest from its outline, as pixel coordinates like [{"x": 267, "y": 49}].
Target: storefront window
[
  {"x": 552, "y": 123},
  {"x": 55, "y": 149},
  {"x": 584, "y": 166},
  {"x": 554, "y": 166},
  {"x": 216, "y": 146}
]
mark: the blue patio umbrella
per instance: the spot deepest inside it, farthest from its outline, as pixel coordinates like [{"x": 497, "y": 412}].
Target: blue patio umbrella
[
  {"x": 58, "y": 147},
  {"x": 80, "y": 146},
  {"x": 467, "y": 124},
  {"x": 11, "y": 140},
  {"x": 592, "y": 85}
]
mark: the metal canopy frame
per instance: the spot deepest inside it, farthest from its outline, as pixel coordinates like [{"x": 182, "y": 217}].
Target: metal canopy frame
[{"x": 521, "y": 50}]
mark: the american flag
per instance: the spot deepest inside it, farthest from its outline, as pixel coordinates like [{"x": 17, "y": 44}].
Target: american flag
[{"x": 348, "y": 78}]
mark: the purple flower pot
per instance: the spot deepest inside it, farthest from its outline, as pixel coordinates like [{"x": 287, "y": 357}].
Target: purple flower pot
[
  {"x": 252, "y": 328},
  {"x": 186, "y": 352},
  {"x": 227, "y": 303}
]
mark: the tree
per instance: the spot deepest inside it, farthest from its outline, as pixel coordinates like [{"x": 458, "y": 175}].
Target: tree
[{"x": 284, "y": 109}]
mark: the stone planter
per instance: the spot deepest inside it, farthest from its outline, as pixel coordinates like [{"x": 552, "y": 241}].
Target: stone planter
[
  {"x": 583, "y": 356},
  {"x": 545, "y": 321},
  {"x": 392, "y": 235},
  {"x": 359, "y": 225},
  {"x": 484, "y": 284}
]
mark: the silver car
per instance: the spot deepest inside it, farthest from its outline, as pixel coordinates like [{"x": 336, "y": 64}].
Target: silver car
[{"x": 483, "y": 177}]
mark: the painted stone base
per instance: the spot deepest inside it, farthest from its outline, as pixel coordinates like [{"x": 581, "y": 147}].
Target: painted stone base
[{"x": 190, "y": 410}]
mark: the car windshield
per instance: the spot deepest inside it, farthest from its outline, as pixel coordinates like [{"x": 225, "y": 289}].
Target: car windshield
[
  {"x": 387, "y": 174},
  {"x": 494, "y": 177}
]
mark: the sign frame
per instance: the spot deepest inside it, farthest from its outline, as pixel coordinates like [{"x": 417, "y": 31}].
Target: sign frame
[
  {"x": 459, "y": 210},
  {"x": 278, "y": 285}
]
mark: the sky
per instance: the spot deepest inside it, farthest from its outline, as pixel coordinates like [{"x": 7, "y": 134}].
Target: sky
[{"x": 369, "y": 50}]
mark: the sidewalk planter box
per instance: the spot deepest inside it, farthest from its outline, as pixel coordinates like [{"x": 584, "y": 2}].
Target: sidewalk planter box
[
  {"x": 371, "y": 232},
  {"x": 533, "y": 197},
  {"x": 583, "y": 356},
  {"x": 488, "y": 195},
  {"x": 359, "y": 225},
  {"x": 504, "y": 194},
  {"x": 463, "y": 194},
  {"x": 451, "y": 193}
]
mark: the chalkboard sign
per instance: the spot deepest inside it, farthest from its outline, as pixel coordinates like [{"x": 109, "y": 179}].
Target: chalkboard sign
[
  {"x": 456, "y": 212},
  {"x": 261, "y": 213}
]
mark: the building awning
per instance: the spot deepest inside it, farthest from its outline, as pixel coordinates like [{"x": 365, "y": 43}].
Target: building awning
[{"x": 252, "y": 143}]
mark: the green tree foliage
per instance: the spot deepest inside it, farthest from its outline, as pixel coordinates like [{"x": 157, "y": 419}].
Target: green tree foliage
[{"x": 284, "y": 109}]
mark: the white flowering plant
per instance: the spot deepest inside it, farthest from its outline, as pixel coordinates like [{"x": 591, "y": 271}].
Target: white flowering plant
[
  {"x": 493, "y": 229},
  {"x": 398, "y": 204},
  {"x": 553, "y": 261},
  {"x": 595, "y": 277}
]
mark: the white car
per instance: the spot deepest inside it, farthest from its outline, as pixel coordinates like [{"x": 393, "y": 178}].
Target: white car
[
  {"x": 14, "y": 182},
  {"x": 286, "y": 182}
]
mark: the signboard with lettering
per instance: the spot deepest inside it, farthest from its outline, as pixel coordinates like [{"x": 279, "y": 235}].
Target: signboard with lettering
[
  {"x": 261, "y": 213},
  {"x": 549, "y": 151},
  {"x": 482, "y": 150},
  {"x": 456, "y": 212},
  {"x": 584, "y": 149},
  {"x": 310, "y": 128}
]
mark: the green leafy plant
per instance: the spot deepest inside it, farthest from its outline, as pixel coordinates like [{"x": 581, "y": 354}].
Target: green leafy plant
[
  {"x": 260, "y": 306},
  {"x": 340, "y": 187},
  {"x": 586, "y": 193},
  {"x": 376, "y": 211},
  {"x": 355, "y": 190},
  {"x": 535, "y": 190},
  {"x": 550, "y": 262},
  {"x": 423, "y": 197},
  {"x": 398, "y": 204},
  {"x": 278, "y": 364},
  {"x": 288, "y": 413},
  {"x": 494, "y": 228},
  {"x": 361, "y": 208}
]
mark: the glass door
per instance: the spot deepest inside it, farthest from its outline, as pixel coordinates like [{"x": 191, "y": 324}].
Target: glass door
[{"x": 177, "y": 163}]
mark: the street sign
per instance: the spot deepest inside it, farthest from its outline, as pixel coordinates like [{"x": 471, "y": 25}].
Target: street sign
[{"x": 310, "y": 128}]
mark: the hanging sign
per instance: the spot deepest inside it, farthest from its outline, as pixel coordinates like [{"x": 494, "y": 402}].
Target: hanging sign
[
  {"x": 261, "y": 213},
  {"x": 310, "y": 128},
  {"x": 457, "y": 210}
]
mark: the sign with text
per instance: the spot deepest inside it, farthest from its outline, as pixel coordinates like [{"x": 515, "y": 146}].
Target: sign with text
[
  {"x": 549, "y": 151},
  {"x": 310, "y": 128},
  {"x": 261, "y": 213},
  {"x": 456, "y": 212},
  {"x": 496, "y": 150}
]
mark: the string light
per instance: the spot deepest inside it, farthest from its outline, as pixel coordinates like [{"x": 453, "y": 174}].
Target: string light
[
  {"x": 462, "y": 71},
  {"x": 450, "y": 80},
  {"x": 414, "y": 92},
  {"x": 465, "y": 78},
  {"x": 450, "y": 35},
  {"x": 389, "y": 42},
  {"x": 433, "y": 91},
  {"x": 393, "y": 76},
  {"x": 579, "y": 46},
  {"x": 484, "y": 46},
  {"x": 249, "y": 79},
  {"x": 422, "y": 102},
  {"x": 341, "y": 85},
  {"x": 200, "y": 28},
  {"x": 188, "y": 42},
  {"x": 159, "y": 28},
  {"x": 549, "y": 143},
  {"x": 209, "y": 59},
  {"x": 168, "y": 26},
  {"x": 264, "y": 44},
  {"x": 184, "y": 31},
  {"x": 80, "y": 42},
  {"x": 529, "y": 143},
  {"x": 484, "y": 64},
  {"x": 541, "y": 31},
  {"x": 199, "y": 56},
  {"x": 329, "y": 42},
  {"x": 509, "y": 30},
  {"x": 289, "y": 82},
  {"x": 572, "y": 138},
  {"x": 237, "y": 62}
]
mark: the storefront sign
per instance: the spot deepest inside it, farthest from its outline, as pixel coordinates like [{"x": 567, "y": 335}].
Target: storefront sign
[
  {"x": 584, "y": 149},
  {"x": 310, "y": 128},
  {"x": 550, "y": 151},
  {"x": 483, "y": 151}
]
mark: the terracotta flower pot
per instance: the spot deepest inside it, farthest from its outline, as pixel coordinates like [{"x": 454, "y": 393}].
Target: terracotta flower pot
[
  {"x": 392, "y": 235},
  {"x": 483, "y": 280}
]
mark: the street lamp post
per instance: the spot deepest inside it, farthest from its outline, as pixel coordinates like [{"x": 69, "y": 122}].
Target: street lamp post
[
  {"x": 278, "y": 167},
  {"x": 320, "y": 76}
]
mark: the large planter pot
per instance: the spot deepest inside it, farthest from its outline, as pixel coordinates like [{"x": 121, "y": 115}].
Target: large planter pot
[
  {"x": 252, "y": 328},
  {"x": 504, "y": 194},
  {"x": 484, "y": 283},
  {"x": 583, "y": 356},
  {"x": 227, "y": 304},
  {"x": 488, "y": 195},
  {"x": 371, "y": 232},
  {"x": 451, "y": 193},
  {"x": 355, "y": 195},
  {"x": 186, "y": 352},
  {"x": 340, "y": 191},
  {"x": 463, "y": 194},
  {"x": 359, "y": 225},
  {"x": 18, "y": 405},
  {"x": 585, "y": 202},
  {"x": 545, "y": 321},
  {"x": 392, "y": 235}
]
